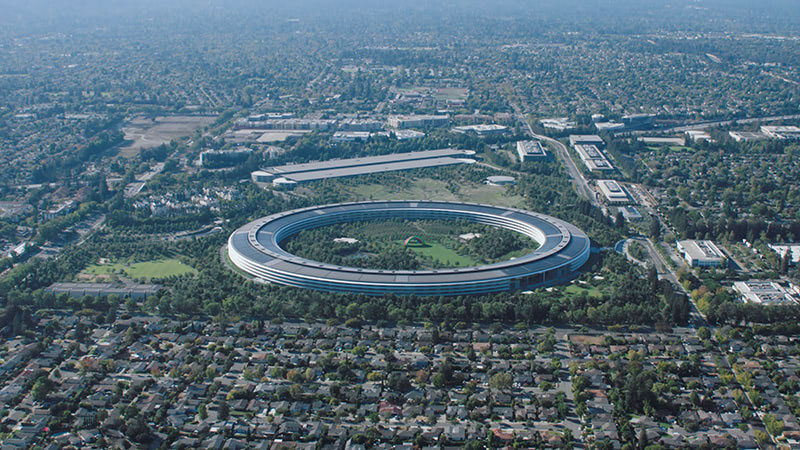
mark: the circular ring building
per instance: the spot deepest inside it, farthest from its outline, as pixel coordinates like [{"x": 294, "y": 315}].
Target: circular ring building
[{"x": 563, "y": 249}]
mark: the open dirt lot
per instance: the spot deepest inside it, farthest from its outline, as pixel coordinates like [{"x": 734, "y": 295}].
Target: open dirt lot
[{"x": 149, "y": 133}]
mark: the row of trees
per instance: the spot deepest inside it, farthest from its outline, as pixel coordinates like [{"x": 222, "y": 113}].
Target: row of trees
[
  {"x": 218, "y": 290},
  {"x": 547, "y": 189},
  {"x": 695, "y": 226}
]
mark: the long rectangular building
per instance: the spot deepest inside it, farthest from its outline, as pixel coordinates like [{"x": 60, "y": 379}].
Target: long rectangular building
[
  {"x": 286, "y": 124},
  {"x": 417, "y": 121},
  {"x": 79, "y": 290},
  {"x": 702, "y": 253},
  {"x": 764, "y": 292},
  {"x": 481, "y": 129},
  {"x": 290, "y": 174},
  {"x": 586, "y": 139},
  {"x": 782, "y": 132},
  {"x": 592, "y": 157}
]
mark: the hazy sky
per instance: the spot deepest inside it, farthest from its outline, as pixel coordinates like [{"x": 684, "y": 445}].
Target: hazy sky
[{"x": 35, "y": 16}]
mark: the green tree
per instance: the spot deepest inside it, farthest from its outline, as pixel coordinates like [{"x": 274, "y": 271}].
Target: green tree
[
  {"x": 398, "y": 381},
  {"x": 655, "y": 228},
  {"x": 202, "y": 413},
  {"x": 501, "y": 381},
  {"x": 773, "y": 425},
  {"x": 619, "y": 220},
  {"x": 42, "y": 388},
  {"x": 223, "y": 410}
]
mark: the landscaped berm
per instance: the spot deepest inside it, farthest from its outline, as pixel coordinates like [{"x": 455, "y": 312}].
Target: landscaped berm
[{"x": 562, "y": 250}]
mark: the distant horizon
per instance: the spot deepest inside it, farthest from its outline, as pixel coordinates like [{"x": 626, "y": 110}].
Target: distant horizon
[{"x": 39, "y": 16}]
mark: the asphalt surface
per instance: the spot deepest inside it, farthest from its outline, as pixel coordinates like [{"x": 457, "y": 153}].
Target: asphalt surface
[
  {"x": 704, "y": 125},
  {"x": 581, "y": 185},
  {"x": 663, "y": 268}
]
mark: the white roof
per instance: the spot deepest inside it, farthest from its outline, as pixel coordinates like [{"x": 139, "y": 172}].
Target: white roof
[
  {"x": 701, "y": 250},
  {"x": 613, "y": 191}
]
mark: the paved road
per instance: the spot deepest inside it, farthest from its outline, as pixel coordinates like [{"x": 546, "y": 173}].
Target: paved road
[
  {"x": 624, "y": 248},
  {"x": 665, "y": 271},
  {"x": 581, "y": 185},
  {"x": 96, "y": 224},
  {"x": 704, "y": 125},
  {"x": 133, "y": 189}
]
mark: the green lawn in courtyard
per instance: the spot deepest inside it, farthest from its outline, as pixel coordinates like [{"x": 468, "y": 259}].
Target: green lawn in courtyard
[
  {"x": 443, "y": 255},
  {"x": 576, "y": 289}
]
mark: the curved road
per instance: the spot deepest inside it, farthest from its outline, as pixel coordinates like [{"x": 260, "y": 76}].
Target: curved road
[
  {"x": 581, "y": 185},
  {"x": 664, "y": 270}
]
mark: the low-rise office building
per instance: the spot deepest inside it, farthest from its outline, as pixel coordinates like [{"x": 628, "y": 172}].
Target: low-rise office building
[
  {"x": 781, "y": 132},
  {"x": 609, "y": 126},
  {"x": 593, "y": 158},
  {"x": 417, "y": 121},
  {"x": 662, "y": 141},
  {"x": 529, "y": 150},
  {"x": 360, "y": 125},
  {"x": 350, "y": 136},
  {"x": 613, "y": 191},
  {"x": 481, "y": 129},
  {"x": 586, "y": 139},
  {"x": 558, "y": 123},
  {"x": 630, "y": 213},
  {"x": 702, "y": 253},
  {"x": 403, "y": 135},
  {"x": 59, "y": 210},
  {"x": 286, "y": 124},
  {"x": 764, "y": 293},
  {"x": 746, "y": 136}
]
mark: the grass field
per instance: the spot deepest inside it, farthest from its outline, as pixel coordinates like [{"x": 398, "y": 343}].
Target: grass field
[
  {"x": 576, "y": 289},
  {"x": 444, "y": 255},
  {"x": 429, "y": 189},
  {"x": 147, "y": 270},
  {"x": 420, "y": 189}
]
